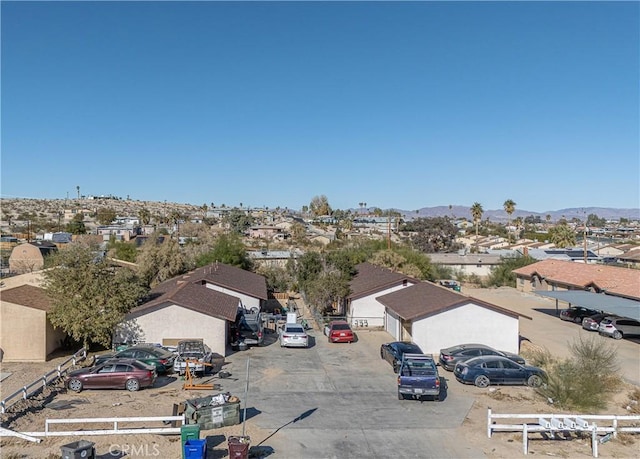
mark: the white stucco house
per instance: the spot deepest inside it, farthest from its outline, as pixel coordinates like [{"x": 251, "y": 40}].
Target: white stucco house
[
  {"x": 436, "y": 317},
  {"x": 201, "y": 304},
  {"x": 363, "y": 310}
]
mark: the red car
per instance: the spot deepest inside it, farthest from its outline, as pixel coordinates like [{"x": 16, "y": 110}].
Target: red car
[
  {"x": 339, "y": 331},
  {"x": 127, "y": 374}
]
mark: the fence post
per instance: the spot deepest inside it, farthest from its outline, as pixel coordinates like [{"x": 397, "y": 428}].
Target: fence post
[
  {"x": 489, "y": 422},
  {"x": 24, "y": 392},
  {"x": 615, "y": 427},
  {"x": 525, "y": 438},
  {"x": 59, "y": 371},
  {"x": 44, "y": 381},
  {"x": 594, "y": 441}
]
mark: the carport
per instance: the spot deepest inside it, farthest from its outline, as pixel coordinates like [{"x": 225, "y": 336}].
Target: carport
[{"x": 622, "y": 307}]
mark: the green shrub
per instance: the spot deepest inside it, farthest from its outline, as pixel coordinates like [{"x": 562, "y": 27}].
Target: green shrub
[{"x": 586, "y": 381}]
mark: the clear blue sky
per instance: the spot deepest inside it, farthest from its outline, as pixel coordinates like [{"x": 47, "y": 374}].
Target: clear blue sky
[{"x": 396, "y": 104}]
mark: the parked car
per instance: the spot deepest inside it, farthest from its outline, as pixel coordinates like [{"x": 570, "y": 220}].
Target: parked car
[
  {"x": 339, "y": 331},
  {"x": 248, "y": 328},
  {"x": 619, "y": 327},
  {"x": 453, "y": 285},
  {"x": 494, "y": 369},
  {"x": 127, "y": 374},
  {"x": 450, "y": 356},
  {"x": 393, "y": 352},
  {"x": 592, "y": 323},
  {"x": 201, "y": 359},
  {"x": 160, "y": 358},
  {"x": 577, "y": 313},
  {"x": 293, "y": 335}
]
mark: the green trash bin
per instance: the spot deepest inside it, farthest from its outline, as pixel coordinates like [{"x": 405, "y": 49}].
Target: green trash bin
[{"x": 189, "y": 432}]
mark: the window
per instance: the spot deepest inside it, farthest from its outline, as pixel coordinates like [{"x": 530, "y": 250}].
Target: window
[
  {"x": 107, "y": 369},
  {"x": 121, "y": 368},
  {"x": 491, "y": 364}
]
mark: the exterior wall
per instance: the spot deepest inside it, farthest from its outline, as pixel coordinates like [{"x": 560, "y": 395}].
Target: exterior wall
[
  {"x": 25, "y": 258},
  {"x": 22, "y": 333},
  {"x": 467, "y": 324},
  {"x": 176, "y": 322},
  {"x": 53, "y": 338},
  {"x": 369, "y": 309},
  {"x": 247, "y": 301}
]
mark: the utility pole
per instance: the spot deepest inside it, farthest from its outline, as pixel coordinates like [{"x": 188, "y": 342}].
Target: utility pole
[{"x": 584, "y": 238}]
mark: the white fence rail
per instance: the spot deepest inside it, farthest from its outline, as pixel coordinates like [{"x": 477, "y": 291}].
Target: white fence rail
[
  {"x": 116, "y": 430},
  {"x": 42, "y": 382},
  {"x": 609, "y": 425}
]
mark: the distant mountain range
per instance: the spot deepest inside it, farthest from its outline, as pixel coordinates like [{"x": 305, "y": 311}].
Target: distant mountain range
[{"x": 500, "y": 215}]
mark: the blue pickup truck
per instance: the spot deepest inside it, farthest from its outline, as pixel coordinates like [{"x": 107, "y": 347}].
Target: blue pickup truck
[{"x": 418, "y": 376}]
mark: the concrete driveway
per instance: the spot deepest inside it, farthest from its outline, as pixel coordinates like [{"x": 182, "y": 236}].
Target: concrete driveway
[{"x": 340, "y": 401}]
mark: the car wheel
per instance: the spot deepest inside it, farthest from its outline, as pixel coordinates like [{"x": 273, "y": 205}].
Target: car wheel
[
  {"x": 482, "y": 381},
  {"x": 381, "y": 354},
  {"x": 75, "y": 385},
  {"x": 400, "y": 396},
  {"x": 617, "y": 334},
  {"x": 132, "y": 385},
  {"x": 395, "y": 366},
  {"x": 577, "y": 320},
  {"x": 534, "y": 381}
]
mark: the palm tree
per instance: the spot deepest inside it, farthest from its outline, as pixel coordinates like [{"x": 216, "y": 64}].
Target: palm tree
[
  {"x": 509, "y": 208},
  {"x": 476, "y": 213}
]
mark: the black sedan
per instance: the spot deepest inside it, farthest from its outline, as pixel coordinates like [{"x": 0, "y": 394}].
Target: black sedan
[
  {"x": 450, "y": 356},
  {"x": 493, "y": 369},
  {"x": 577, "y": 313},
  {"x": 393, "y": 352}
]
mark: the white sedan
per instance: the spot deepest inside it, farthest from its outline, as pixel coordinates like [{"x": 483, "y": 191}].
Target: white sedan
[{"x": 293, "y": 335}]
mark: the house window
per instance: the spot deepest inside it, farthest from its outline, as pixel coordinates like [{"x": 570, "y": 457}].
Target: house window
[{"x": 404, "y": 283}]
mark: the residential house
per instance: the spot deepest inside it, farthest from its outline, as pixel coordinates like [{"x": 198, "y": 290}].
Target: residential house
[
  {"x": 201, "y": 304},
  {"x": 552, "y": 274},
  {"x": 26, "y": 333},
  {"x": 371, "y": 281},
  {"x": 436, "y": 317}
]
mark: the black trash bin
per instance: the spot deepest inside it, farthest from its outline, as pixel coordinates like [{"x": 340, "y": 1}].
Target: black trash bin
[
  {"x": 81, "y": 449},
  {"x": 238, "y": 447}
]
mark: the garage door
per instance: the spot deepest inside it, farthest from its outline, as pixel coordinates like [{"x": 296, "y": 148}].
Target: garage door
[{"x": 392, "y": 324}]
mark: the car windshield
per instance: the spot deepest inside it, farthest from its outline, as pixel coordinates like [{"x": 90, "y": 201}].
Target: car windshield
[
  {"x": 341, "y": 327},
  {"x": 294, "y": 329}
]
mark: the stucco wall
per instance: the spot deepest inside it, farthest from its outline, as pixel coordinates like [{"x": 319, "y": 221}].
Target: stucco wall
[
  {"x": 25, "y": 258},
  {"x": 177, "y": 322},
  {"x": 466, "y": 324},
  {"x": 369, "y": 309},
  {"x": 22, "y": 333}
]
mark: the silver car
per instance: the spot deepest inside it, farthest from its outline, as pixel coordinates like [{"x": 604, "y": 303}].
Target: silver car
[
  {"x": 618, "y": 327},
  {"x": 293, "y": 335}
]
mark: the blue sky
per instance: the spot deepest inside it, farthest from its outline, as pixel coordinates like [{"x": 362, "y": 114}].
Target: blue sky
[{"x": 396, "y": 104}]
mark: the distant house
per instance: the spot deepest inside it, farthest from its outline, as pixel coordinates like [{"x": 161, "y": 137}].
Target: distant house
[
  {"x": 198, "y": 305},
  {"x": 552, "y": 274},
  {"x": 26, "y": 334},
  {"x": 29, "y": 256},
  {"x": 479, "y": 264},
  {"x": 264, "y": 232}
]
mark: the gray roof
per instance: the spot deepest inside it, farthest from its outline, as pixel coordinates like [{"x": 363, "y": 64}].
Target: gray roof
[{"x": 599, "y": 301}]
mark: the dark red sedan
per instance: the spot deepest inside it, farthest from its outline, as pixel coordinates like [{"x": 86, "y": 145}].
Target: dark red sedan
[
  {"x": 127, "y": 374},
  {"x": 339, "y": 331}
]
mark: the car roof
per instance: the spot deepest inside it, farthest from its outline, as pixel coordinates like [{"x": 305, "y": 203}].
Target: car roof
[
  {"x": 461, "y": 347},
  {"x": 339, "y": 322},
  {"x": 484, "y": 358}
]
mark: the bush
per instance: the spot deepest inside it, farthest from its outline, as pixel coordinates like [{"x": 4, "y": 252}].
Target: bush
[{"x": 586, "y": 381}]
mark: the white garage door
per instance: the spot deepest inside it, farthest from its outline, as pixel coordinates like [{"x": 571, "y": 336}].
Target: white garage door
[{"x": 392, "y": 325}]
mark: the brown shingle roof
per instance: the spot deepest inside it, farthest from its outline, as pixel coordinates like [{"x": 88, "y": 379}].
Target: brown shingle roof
[
  {"x": 29, "y": 296},
  {"x": 232, "y": 278},
  {"x": 426, "y": 299},
  {"x": 370, "y": 279},
  {"x": 190, "y": 291},
  {"x": 193, "y": 295},
  {"x": 617, "y": 281}
]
